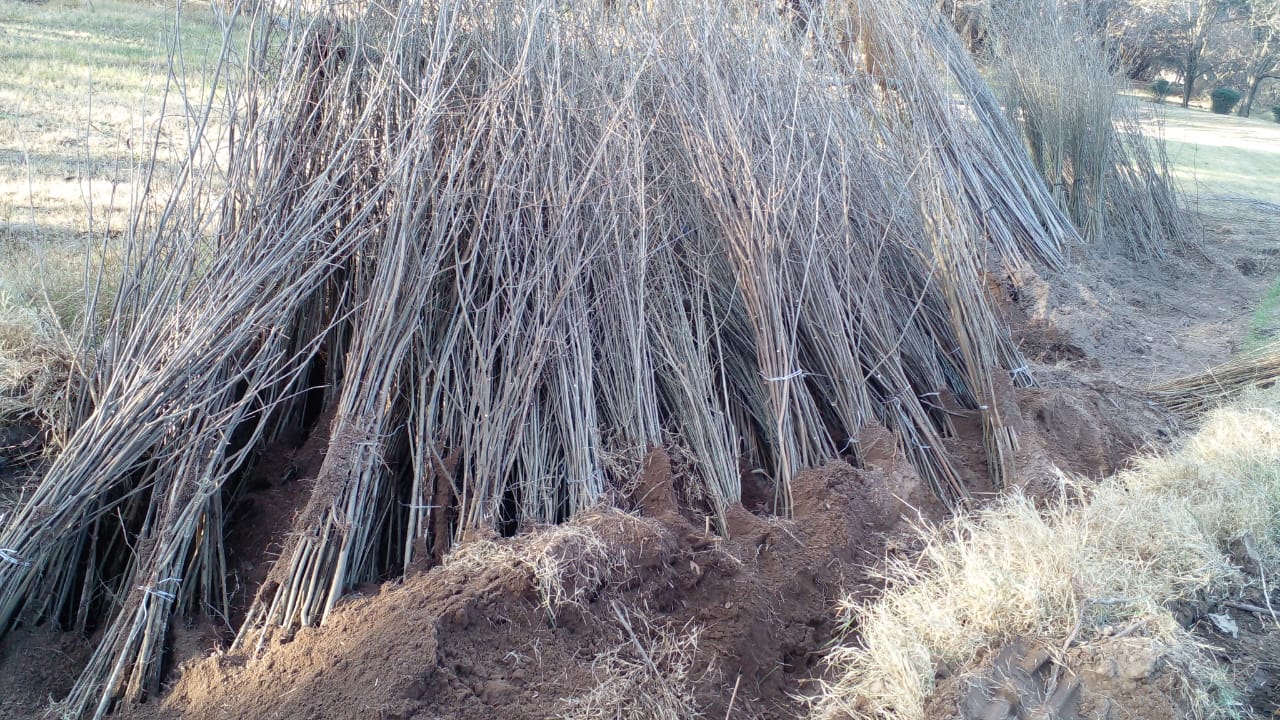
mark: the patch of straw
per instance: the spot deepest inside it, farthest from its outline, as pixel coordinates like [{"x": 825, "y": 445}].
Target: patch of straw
[
  {"x": 569, "y": 564},
  {"x": 649, "y": 675},
  {"x": 1138, "y": 542}
]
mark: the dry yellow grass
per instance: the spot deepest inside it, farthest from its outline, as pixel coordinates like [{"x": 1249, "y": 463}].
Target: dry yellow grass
[{"x": 1140, "y": 540}]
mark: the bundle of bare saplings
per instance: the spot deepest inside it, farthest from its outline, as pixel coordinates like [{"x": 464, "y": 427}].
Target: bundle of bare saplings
[{"x": 494, "y": 251}]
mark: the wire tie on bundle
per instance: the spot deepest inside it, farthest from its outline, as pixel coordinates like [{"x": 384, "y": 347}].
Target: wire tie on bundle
[
  {"x": 165, "y": 594},
  {"x": 13, "y": 558},
  {"x": 791, "y": 376}
]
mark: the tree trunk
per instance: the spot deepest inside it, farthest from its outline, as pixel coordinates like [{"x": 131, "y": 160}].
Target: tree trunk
[
  {"x": 1189, "y": 77},
  {"x": 1254, "y": 82},
  {"x": 1206, "y": 12}
]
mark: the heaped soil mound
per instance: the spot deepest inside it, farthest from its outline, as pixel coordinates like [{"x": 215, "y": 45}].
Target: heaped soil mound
[
  {"x": 46, "y": 663},
  {"x": 649, "y": 611}
]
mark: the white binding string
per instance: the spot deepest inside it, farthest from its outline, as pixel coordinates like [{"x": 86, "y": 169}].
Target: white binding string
[
  {"x": 13, "y": 558},
  {"x": 791, "y": 376},
  {"x": 164, "y": 594}
]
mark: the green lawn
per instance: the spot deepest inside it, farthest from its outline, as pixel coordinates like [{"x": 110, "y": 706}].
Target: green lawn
[
  {"x": 1266, "y": 320},
  {"x": 1224, "y": 154},
  {"x": 1223, "y": 162},
  {"x": 80, "y": 92}
]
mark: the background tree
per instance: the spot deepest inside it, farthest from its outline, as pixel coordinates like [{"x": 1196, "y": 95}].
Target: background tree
[
  {"x": 1261, "y": 59},
  {"x": 1192, "y": 21},
  {"x": 1174, "y": 34}
]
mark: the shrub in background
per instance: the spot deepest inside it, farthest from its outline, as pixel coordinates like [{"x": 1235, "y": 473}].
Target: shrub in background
[
  {"x": 1275, "y": 112},
  {"x": 1224, "y": 99},
  {"x": 1161, "y": 89}
]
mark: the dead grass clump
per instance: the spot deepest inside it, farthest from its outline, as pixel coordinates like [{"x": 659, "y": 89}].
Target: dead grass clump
[
  {"x": 34, "y": 365},
  {"x": 569, "y": 563},
  {"x": 35, "y": 349},
  {"x": 53, "y": 300},
  {"x": 1139, "y": 541},
  {"x": 650, "y": 674}
]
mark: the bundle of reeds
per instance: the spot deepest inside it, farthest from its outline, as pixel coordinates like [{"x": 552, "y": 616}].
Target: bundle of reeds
[
  {"x": 1061, "y": 88},
  {"x": 1193, "y": 394},
  {"x": 505, "y": 248}
]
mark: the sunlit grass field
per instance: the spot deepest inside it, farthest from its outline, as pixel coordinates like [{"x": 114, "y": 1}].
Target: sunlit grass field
[
  {"x": 1229, "y": 168},
  {"x": 83, "y": 90},
  {"x": 80, "y": 97},
  {"x": 1215, "y": 155}
]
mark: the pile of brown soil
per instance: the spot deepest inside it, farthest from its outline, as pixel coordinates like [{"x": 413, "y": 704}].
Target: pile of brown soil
[
  {"x": 474, "y": 638},
  {"x": 38, "y": 666}
]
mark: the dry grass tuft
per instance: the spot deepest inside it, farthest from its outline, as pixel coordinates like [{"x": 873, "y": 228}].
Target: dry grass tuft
[
  {"x": 35, "y": 363},
  {"x": 49, "y": 306},
  {"x": 650, "y": 675},
  {"x": 569, "y": 563},
  {"x": 1139, "y": 541}
]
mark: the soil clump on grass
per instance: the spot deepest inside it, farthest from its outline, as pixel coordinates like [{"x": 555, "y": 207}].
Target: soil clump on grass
[{"x": 1125, "y": 673}]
